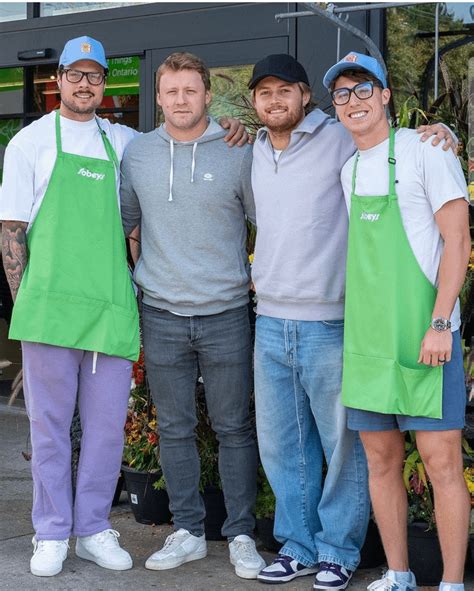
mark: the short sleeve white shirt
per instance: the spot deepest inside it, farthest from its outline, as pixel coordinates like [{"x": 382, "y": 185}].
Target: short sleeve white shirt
[
  {"x": 31, "y": 154},
  {"x": 427, "y": 178}
]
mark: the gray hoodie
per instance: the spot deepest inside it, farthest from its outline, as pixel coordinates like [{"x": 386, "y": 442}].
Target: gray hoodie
[
  {"x": 300, "y": 254},
  {"x": 190, "y": 199}
]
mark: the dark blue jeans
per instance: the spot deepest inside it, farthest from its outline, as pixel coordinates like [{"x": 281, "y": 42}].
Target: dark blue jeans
[{"x": 220, "y": 345}]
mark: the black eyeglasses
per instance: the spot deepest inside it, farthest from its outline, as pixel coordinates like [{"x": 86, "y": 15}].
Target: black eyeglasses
[
  {"x": 363, "y": 91},
  {"x": 75, "y": 76}
]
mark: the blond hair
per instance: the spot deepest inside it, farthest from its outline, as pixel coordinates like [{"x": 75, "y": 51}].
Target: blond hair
[{"x": 182, "y": 60}]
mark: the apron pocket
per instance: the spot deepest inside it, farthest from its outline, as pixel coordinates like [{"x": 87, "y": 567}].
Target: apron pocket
[{"x": 399, "y": 389}]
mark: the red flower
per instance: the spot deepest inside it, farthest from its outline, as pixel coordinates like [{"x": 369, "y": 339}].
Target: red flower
[{"x": 152, "y": 438}]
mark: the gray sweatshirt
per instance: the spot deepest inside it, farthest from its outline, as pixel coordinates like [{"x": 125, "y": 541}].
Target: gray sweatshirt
[
  {"x": 190, "y": 199},
  {"x": 300, "y": 254}
]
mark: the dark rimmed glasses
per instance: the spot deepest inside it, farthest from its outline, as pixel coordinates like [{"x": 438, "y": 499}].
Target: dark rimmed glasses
[
  {"x": 363, "y": 91},
  {"x": 75, "y": 76}
]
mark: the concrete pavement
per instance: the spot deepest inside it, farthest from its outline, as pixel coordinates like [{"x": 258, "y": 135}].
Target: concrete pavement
[{"x": 211, "y": 574}]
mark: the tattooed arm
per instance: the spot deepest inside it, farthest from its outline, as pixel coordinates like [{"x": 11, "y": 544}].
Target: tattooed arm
[{"x": 14, "y": 253}]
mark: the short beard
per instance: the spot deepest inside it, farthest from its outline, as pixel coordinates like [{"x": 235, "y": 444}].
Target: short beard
[
  {"x": 79, "y": 110},
  {"x": 289, "y": 124}
]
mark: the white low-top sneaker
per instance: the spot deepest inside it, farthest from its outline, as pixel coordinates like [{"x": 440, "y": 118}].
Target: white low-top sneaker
[
  {"x": 48, "y": 557},
  {"x": 244, "y": 556},
  {"x": 104, "y": 549},
  {"x": 180, "y": 547}
]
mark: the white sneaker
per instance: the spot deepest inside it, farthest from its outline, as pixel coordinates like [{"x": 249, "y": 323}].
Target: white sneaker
[
  {"x": 244, "y": 556},
  {"x": 389, "y": 583},
  {"x": 180, "y": 547},
  {"x": 103, "y": 549},
  {"x": 48, "y": 557}
]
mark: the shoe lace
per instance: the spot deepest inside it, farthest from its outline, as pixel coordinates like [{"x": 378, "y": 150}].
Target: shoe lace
[
  {"x": 283, "y": 558},
  {"x": 108, "y": 538},
  {"x": 171, "y": 540},
  {"x": 383, "y": 584},
  {"x": 331, "y": 567},
  {"x": 46, "y": 546},
  {"x": 246, "y": 550}
]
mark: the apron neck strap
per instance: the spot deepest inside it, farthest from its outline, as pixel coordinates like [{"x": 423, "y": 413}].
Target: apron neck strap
[
  {"x": 391, "y": 164},
  {"x": 58, "y": 134},
  {"x": 108, "y": 146}
]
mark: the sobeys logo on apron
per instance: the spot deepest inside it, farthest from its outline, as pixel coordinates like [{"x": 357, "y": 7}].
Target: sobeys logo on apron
[
  {"x": 93, "y": 175},
  {"x": 370, "y": 217}
]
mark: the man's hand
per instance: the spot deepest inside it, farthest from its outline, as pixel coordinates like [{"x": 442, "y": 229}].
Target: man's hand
[
  {"x": 440, "y": 132},
  {"x": 14, "y": 253},
  {"x": 436, "y": 347},
  {"x": 237, "y": 133}
]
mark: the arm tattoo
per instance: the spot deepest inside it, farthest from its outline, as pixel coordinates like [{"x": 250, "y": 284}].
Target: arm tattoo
[{"x": 14, "y": 253}]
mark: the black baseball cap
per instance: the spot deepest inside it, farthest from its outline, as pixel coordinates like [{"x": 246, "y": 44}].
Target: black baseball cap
[{"x": 280, "y": 65}]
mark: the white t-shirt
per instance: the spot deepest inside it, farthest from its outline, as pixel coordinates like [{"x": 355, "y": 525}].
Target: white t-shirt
[
  {"x": 31, "y": 154},
  {"x": 428, "y": 177}
]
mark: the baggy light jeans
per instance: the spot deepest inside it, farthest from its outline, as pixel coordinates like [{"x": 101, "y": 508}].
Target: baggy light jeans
[
  {"x": 220, "y": 345},
  {"x": 53, "y": 379},
  {"x": 301, "y": 422}
]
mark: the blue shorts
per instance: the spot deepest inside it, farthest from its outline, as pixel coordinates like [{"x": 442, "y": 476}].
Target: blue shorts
[{"x": 454, "y": 404}]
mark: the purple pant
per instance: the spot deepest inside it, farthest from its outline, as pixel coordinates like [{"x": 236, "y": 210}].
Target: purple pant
[{"x": 53, "y": 377}]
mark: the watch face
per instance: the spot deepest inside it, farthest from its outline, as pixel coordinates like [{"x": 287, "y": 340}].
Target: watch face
[{"x": 440, "y": 324}]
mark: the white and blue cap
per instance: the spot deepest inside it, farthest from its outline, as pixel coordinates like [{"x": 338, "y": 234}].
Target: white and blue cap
[
  {"x": 83, "y": 48},
  {"x": 356, "y": 61}
]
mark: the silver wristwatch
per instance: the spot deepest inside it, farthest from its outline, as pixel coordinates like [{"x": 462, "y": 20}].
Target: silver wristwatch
[{"x": 440, "y": 324}]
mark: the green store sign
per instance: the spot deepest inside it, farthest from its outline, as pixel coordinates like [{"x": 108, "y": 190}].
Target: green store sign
[{"x": 123, "y": 77}]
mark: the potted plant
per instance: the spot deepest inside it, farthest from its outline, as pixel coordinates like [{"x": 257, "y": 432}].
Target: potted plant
[
  {"x": 141, "y": 466},
  {"x": 423, "y": 546}
]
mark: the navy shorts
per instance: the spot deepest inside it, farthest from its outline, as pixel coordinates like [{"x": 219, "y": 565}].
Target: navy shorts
[{"x": 454, "y": 404}]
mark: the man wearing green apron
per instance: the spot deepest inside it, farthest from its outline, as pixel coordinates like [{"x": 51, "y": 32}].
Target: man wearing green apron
[
  {"x": 75, "y": 308},
  {"x": 408, "y": 250}
]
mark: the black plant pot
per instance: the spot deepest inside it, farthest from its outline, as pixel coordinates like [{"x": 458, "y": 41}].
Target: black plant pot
[
  {"x": 216, "y": 512},
  {"x": 424, "y": 554},
  {"x": 265, "y": 534},
  {"x": 149, "y": 506},
  {"x": 372, "y": 553}
]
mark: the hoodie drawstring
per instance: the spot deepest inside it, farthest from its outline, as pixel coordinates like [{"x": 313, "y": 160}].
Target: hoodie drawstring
[
  {"x": 94, "y": 362},
  {"x": 193, "y": 163},
  {"x": 193, "y": 166},
  {"x": 170, "y": 198}
]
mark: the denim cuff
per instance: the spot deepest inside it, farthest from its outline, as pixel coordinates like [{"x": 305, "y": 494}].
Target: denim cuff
[
  {"x": 352, "y": 566},
  {"x": 286, "y": 551}
]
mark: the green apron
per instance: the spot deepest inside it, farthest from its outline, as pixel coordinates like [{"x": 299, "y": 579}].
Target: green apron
[
  {"x": 76, "y": 290},
  {"x": 389, "y": 304}
]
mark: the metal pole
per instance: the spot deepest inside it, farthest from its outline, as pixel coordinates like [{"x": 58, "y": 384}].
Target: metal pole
[
  {"x": 436, "y": 64},
  {"x": 331, "y": 9},
  {"x": 338, "y": 52}
]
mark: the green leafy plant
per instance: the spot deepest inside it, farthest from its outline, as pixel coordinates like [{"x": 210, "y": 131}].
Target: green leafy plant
[{"x": 265, "y": 505}]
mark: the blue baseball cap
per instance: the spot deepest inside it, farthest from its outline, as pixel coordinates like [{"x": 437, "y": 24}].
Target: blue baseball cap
[
  {"x": 356, "y": 61},
  {"x": 83, "y": 48}
]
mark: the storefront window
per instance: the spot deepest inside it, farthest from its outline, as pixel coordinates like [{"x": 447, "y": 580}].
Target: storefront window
[
  {"x": 12, "y": 11},
  {"x": 57, "y": 8},
  {"x": 120, "y": 103},
  {"x": 11, "y": 90}
]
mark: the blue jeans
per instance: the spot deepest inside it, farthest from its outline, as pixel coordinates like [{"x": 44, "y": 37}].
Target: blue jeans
[
  {"x": 220, "y": 345},
  {"x": 301, "y": 421}
]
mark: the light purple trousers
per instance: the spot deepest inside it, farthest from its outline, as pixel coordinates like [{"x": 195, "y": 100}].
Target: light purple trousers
[{"x": 53, "y": 378}]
